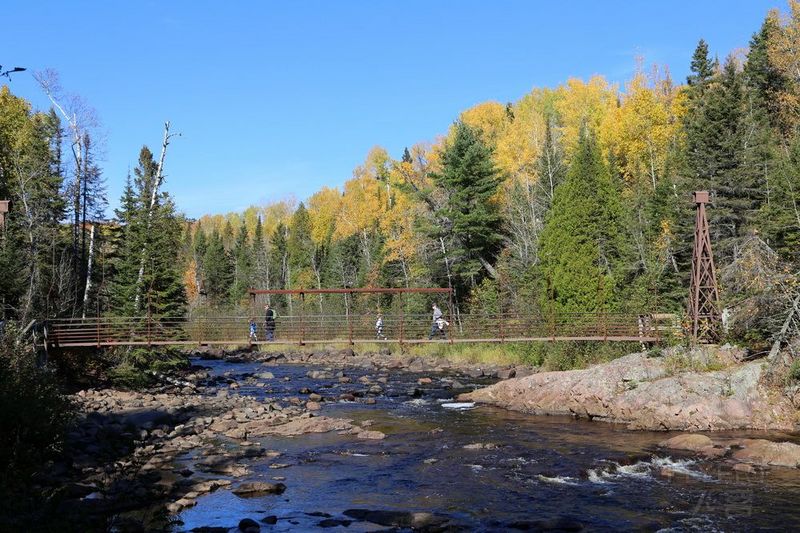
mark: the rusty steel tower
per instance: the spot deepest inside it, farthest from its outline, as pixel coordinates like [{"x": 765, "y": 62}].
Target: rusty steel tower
[{"x": 704, "y": 310}]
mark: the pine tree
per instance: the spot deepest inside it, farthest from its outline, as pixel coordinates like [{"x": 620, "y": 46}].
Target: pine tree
[
  {"x": 127, "y": 242},
  {"x": 279, "y": 261},
  {"x": 300, "y": 247},
  {"x": 583, "y": 252},
  {"x": 260, "y": 255},
  {"x": 242, "y": 266},
  {"x": 702, "y": 68},
  {"x": 764, "y": 79},
  {"x": 469, "y": 217},
  {"x": 218, "y": 270},
  {"x": 157, "y": 239},
  {"x": 715, "y": 159},
  {"x": 780, "y": 217}
]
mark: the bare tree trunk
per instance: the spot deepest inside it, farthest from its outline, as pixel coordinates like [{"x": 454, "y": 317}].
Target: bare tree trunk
[
  {"x": 88, "y": 285},
  {"x": 488, "y": 266}
]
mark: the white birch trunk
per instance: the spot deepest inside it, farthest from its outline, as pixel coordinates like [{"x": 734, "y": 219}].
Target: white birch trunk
[{"x": 88, "y": 284}]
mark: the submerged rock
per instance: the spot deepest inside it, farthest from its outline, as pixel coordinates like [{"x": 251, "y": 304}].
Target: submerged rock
[
  {"x": 258, "y": 488},
  {"x": 688, "y": 441},
  {"x": 248, "y": 525},
  {"x": 397, "y": 518}
]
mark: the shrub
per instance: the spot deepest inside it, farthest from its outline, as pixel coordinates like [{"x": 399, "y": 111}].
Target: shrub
[
  {"x": 793, "y": 375},
  {"x": 34, "y": 412}
]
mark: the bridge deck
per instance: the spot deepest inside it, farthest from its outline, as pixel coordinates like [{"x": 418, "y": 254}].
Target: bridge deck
[{"x": 353, "y": 329}]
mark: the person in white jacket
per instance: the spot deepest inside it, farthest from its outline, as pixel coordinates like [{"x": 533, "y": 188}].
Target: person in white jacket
[
  {"x": 379, "y": 328},
  {"x": 437, "y": 327}
]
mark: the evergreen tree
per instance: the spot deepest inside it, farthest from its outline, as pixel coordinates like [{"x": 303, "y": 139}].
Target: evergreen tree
[
  {"x": 702, "y": 68},
  {"x": 260, "y": 255},
  {"x": 406, "y": 156},
  {"x": 764, "y": 79},
  {"x": 37, "y": 278},
  {"x": 199, "y": 248},
  {"x": 127, "y": 242},
  {"x": 242, "y": 266},
  {"x": 156, "y": 237},
  {"x": 469, "y": 217},
  {"x": 583, "y": 251},
  {"x": 300, "y": 248},
  {"x": 279, "y": 261},
  {"x": 717, "y": 159},
  {"x": 780, "y": 217},
  {"x": 218, "y": 270}
]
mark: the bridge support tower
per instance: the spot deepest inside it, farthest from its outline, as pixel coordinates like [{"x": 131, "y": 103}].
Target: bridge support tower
[{"x": 704, "y": 312}]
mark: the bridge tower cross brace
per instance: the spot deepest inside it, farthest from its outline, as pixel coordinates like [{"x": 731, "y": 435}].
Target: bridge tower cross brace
[{"x": 704, "y": 310}]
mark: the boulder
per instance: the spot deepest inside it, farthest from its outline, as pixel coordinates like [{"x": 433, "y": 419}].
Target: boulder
[
  {"x": 688, "y": 441},
  {"x": 258, "y": 488},
  {"x": 317, "y": 424},
  {"x": 506, "y": 373},
  {"x": 637, "y": 390},
  {"x": 371, "y": 435},
  {"x": 248, "y": 525},
  {"x": 768, "y": 453}
]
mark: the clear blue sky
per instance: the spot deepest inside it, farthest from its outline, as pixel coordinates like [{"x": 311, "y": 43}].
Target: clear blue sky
[{"x": 279, "y": 98}]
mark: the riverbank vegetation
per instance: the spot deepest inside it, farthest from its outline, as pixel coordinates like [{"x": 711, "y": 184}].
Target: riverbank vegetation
[{"x": 34, "y": 414}]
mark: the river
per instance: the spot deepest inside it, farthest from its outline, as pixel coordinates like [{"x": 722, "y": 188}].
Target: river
[{"x": 484, "y": 469}]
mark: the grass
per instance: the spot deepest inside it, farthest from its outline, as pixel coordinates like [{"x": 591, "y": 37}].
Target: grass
[
  {"x": 682, "y": 361},
  {"x": 560, "y": 355}
]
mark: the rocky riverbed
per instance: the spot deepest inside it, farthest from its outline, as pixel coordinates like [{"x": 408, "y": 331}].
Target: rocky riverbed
[{"x": 302, "y": 441}]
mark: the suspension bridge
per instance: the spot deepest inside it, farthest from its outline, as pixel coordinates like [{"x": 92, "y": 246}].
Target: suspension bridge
[{"x": 298, "y": 326}]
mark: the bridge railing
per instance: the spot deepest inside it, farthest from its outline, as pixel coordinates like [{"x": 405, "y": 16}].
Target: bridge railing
[{"x": 302, "y": 329}]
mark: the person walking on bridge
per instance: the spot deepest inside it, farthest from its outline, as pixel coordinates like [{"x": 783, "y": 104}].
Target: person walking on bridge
[
  {"x": 269, "y": 322},
  {"x": 253, "y": 329},
  {"x": 379, "y": 328},
  {"x": 437, "y": 316}
]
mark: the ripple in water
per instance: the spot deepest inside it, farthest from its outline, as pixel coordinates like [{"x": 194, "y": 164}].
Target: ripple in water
[{"x": 645, "y": 470}]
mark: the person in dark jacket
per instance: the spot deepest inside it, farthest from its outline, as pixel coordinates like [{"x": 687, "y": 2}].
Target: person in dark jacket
[{"x": 269, "y": 322}]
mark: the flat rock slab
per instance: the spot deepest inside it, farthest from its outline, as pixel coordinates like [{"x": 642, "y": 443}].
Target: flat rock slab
[
  {"x": 759, "y": 452},
  {"x": 638, "y": 391},
  {"x": 316, "y": 424}
]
